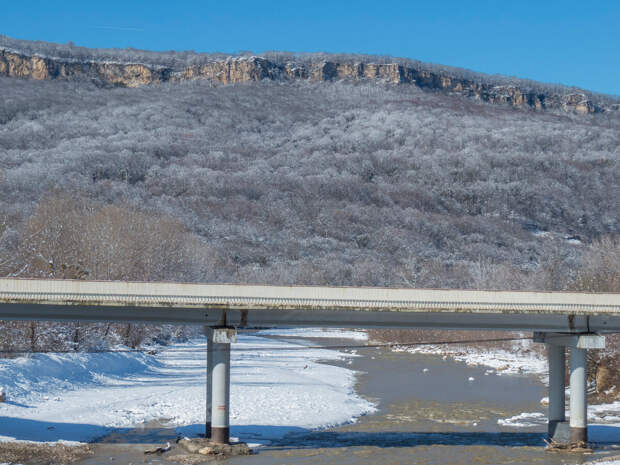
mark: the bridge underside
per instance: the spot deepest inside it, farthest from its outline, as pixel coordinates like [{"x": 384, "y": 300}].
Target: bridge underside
[{"x": 339, "y": 317}]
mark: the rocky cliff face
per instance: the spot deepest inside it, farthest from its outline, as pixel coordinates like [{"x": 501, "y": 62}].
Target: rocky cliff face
[
  {"x": 16, "y": 65},
  {"x": 236, "y": 70}
]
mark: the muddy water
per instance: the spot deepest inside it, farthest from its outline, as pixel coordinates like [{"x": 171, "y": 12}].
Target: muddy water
[{"x": 433, "y": 417}]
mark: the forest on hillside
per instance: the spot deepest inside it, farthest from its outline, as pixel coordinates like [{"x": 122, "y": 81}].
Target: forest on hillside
[{"x": 301, "y": 183}]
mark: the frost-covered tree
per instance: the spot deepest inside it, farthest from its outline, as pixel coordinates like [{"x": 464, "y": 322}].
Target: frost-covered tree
[{"x": 299, "y": 183}]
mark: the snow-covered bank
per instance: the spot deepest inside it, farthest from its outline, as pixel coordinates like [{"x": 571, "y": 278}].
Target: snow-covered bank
[
  {"x": 34, "y": 378},
  {"x": 521, "y": 359},
  {"x": 607, "y": 461},
  {"x": 316, "y": 333},
  {"x": 598, "y": 415},
  {"x": 603, "y": 421},
  {"x": 276, "y": 388}
]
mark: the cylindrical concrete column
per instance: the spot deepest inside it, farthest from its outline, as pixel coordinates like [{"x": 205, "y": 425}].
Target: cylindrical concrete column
[
  {"x": 557, "y": 373},
  {"x": 578, "y": 399},
  {"x": 221, "y": 393},
  {"x": 209, "y": 334}
]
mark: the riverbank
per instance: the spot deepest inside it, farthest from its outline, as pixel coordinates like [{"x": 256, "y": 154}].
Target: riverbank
[
  {"x": 521, "y": 357},
  {"x": 78, "y": 398}
]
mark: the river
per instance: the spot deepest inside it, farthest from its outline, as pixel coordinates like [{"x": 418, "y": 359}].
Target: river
[{"x": 429, "y": 412}]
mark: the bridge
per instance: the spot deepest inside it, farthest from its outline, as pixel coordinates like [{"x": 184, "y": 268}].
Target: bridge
[{"x": 558, "y": 319}]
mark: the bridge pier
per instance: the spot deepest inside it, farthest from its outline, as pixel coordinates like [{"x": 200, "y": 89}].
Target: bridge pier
[
  {"x": 578, "y": 396},
  {"x": 576, "y": 431},
  {"x": 558, "y": 427},
  {"x": 209, "y": 334},
  {"x": 220, "y": 384}
]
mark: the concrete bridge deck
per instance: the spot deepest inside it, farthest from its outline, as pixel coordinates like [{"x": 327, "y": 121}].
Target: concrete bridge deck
[{"x": 258, "y": 305}]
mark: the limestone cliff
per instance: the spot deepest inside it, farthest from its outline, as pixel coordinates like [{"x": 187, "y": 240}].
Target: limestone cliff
[
  {"x": 237, "y": 70},
  {"x": 13, "y": 64}
]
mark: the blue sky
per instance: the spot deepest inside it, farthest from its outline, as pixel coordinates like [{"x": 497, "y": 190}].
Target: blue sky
[{"x": 569, "y": 42}]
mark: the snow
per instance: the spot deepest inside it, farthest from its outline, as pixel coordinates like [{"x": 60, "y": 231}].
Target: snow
[
  {"x": 603, "y": 421},
  {"x": 524, "y": 420},
  {"x": 520, "y": 360},
  {"x": 607, "y": 413},
  {"x": 275, "y": 389}
]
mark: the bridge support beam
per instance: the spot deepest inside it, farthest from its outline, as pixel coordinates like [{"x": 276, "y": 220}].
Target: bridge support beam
[
  {"x": 578, "y": 396},
  {"x": 576, "y": 431},
  {"x": 209, "y": 334},
  {"x": 220, "y": 384}
]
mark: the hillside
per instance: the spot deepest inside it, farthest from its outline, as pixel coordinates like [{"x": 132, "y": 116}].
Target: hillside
[{"x": 362, "y": 183}]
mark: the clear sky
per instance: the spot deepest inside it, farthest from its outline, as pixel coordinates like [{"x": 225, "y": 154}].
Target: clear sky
[{"x": 560, "y": 41}]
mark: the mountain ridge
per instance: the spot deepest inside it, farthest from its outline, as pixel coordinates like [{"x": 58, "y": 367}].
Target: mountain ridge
[{"x": 184, "y": 66}]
